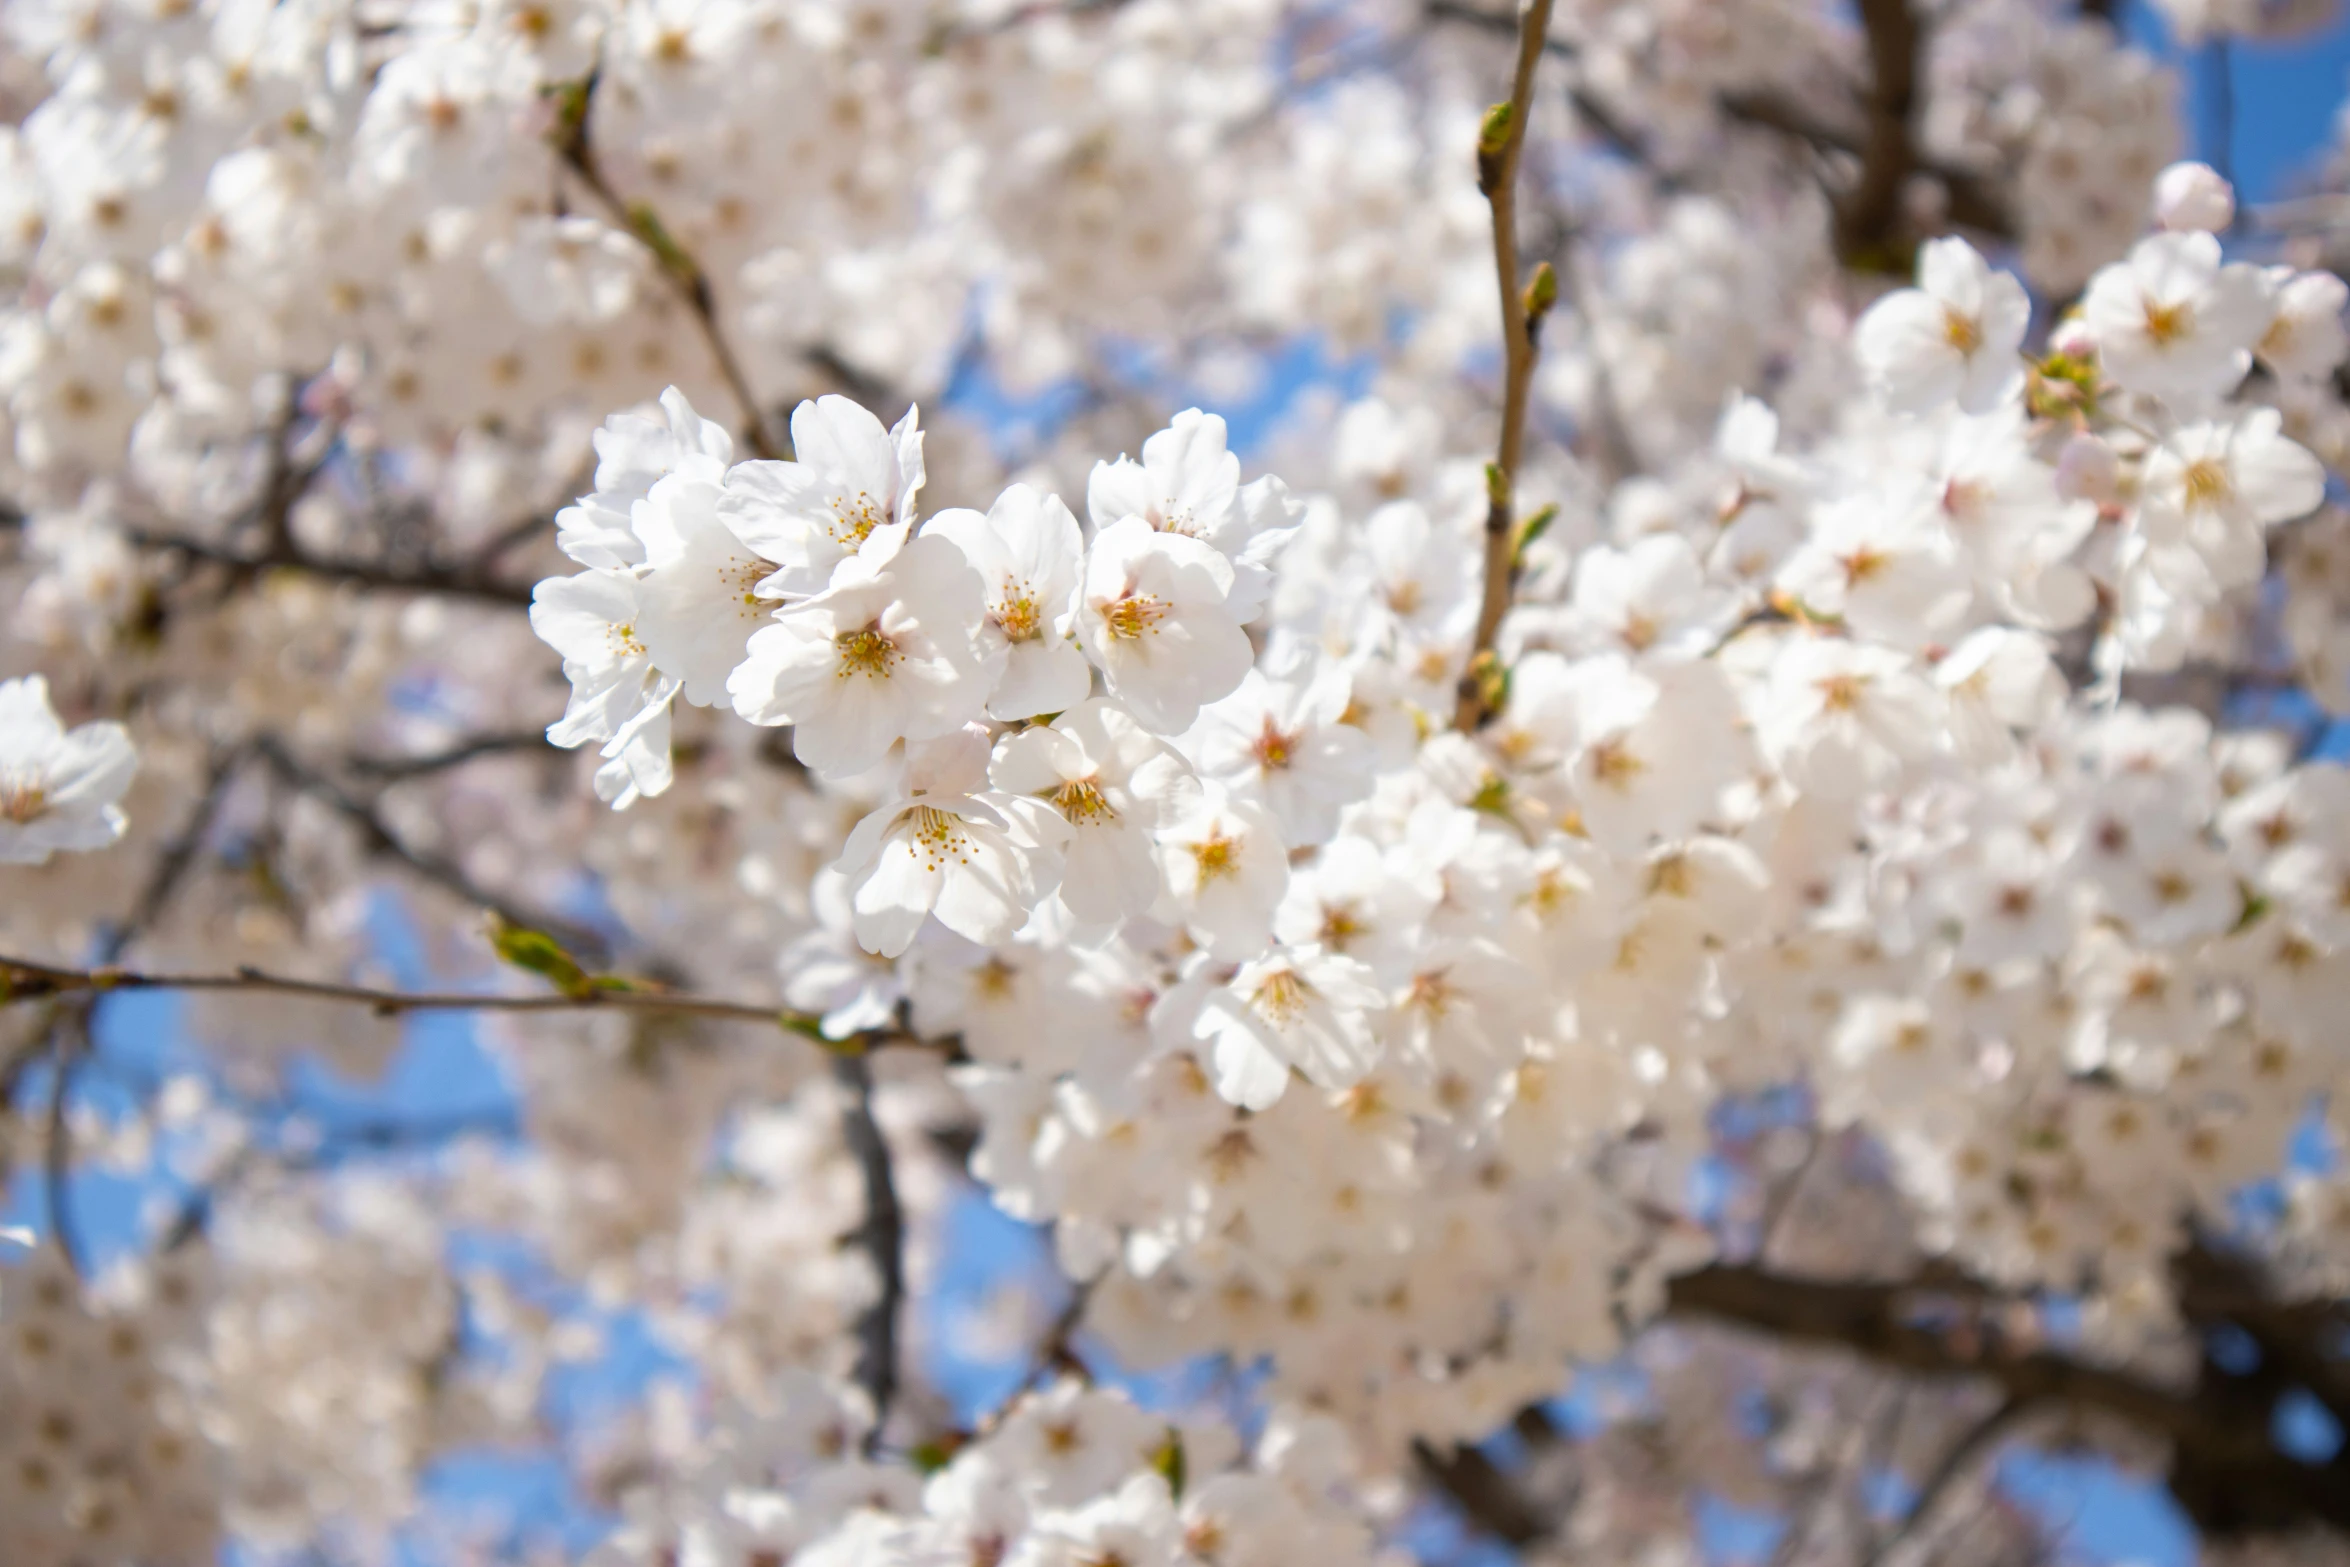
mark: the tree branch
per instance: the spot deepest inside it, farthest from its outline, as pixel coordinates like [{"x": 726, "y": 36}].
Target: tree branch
[
  {"x": 21, "y": 979},
  {"x": 433, "y": 868},
  {"x": 1868, "y": 216},
  {"x": 446, "y": 581},
  {"x": 1501, "y": 141},
  {"x": 1483, "y": 1492},
  {"x": 882, "y": 1237},
  {"x": 1980, "y": 1441},
  {"x": 684, "y": 273},
  {"x": 2225, "y": 1469},
  {"x": 392, "y": 769}
]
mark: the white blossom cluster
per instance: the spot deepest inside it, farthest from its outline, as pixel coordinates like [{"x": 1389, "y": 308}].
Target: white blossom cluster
[
  {"x": 1278, "y": 989},
  {"x": 1356, "y": 988},
  {"x": 1067, "y": 1475}
]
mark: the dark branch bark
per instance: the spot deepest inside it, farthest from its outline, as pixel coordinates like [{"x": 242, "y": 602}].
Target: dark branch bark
[
  {"x": 1868, "y": 216},
  {"x": 390, "y": 769},
  {"x": 446, "y": 874},
  {"x": 1486, "y": 1496},
  {"x": 2225, "y": 1471},
  {"x": 882, "y": 1237},
  {"x": 446, "y": 581}
]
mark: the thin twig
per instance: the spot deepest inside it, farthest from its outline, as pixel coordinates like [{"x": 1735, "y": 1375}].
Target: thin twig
[
  {"x": 504, "y": 743},
  {"x": 58, "y": 1161},
  {"x": 22, "y": 979},
  {"x": 1981, "y": 1440},
  {"x": 443, "y": 873},
  {"x": 177, "y": 859},
  {"x": 683, "y": 270},
  {"x": 1497, "y": 175},
  {"x": 881, "y": 1235},
  {"x": 445, "y": 581}
]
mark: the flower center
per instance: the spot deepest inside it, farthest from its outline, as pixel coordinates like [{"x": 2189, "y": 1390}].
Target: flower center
[
  {"x": 1133, "y": 616},
  {"x": 23, "y": 800},
  {"x": 854, "y": 518},
  {"x": 2207, "y": 483},
  {"x": 938, "y": 836},
  {"x": 1080, "y": 800},
  {"x": 1960, "y": 331},
  {"x": 2166, "y": 324},
  {"x": 1216, "y": 855},
  {"x": 1017, "y": 615},
  {"x": 866, "y": 652},
  {"x": 1274, "y": 750},
  {"x": 742, "y": 578},
  {"x": 1281, "y": 996},
  {"x": 1615, "y": 764}
]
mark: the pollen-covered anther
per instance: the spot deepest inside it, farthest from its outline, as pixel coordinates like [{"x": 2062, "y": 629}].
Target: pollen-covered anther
[
  {"x": 1281, "y": 997},
  {"x": 864, "y": 652},
  {"x": 1133, "y": 616},
  {"x": 1081, "y": 801}
]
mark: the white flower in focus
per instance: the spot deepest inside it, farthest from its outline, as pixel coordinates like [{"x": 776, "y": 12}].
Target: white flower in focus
[
  {"x": 1188, "y": 483},
  {"x": 699, "y": 598},
  {"x": 633, "y": 453},
  {"x": 848, "y": 490},
  {"x": 2190, "y": 197},
  {"x": 619, "y": 700},
  {"x": 1226, "y": 869},
  {"x": 1112, "y": 784},
  {"x": 2172, "y": 321},
  {"x": 948, "y": 848},
  {"x": 1302, "y": 1007},
  {"x": 1028, "y": 552},
  {"x": 58, "y": 787},
  {"x": 1954, "y": 336},
  {"x": 2219, "y": 487},
  {"x": 887, "y": 654},
  {"x": 1281, "y": 743},
  {"x": 1153, "y": 617}
]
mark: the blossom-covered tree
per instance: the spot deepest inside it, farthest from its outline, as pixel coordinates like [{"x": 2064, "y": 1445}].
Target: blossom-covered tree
[{"x": 1720, "y": 885}]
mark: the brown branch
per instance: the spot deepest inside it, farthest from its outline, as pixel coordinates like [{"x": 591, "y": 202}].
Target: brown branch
[
  {"x": 391, "y": 769},
  {"x": 1962, "y": 1458},
  {"x": 1868, "y": 217},
  {"x": 881, "y": 1235},
  {"x": 443, "y": 873},
  {"x": 21, "y": 979},
  {"x": 638, "y": 220},
  {"x": 1484, "y": 1493},
  {"x": 1500, "y": 143},
  {"x": 446, "y": 581},
  {"x": 2225, "y": 1469},
  {"x": 65, "y": 1034}
]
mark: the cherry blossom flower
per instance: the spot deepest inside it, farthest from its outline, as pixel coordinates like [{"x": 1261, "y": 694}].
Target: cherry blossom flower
[
  {"x": 58, "y": 787},
  {"x": 1153, "y": 616},
  {"x": 1304, "y": 1008},
  {"x": 1027, "y": 552},
  {"x": 888, "y": 653},
  {"x": 848, "y": 491},
  {"x": 1953, "y": 337},
  {"x": 2173, "y": 321}
]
